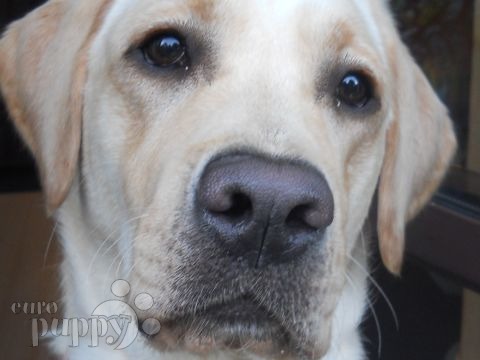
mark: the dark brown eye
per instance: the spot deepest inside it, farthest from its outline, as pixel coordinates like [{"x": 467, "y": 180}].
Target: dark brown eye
[
  {"x": 355, "y": 90},
  {"x": 166, "y": 50}
]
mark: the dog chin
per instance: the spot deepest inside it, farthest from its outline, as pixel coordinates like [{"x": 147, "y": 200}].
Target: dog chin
[{"x": 239, "y": 326}]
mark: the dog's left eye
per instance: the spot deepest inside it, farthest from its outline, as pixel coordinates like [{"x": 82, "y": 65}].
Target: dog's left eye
[
  {"x": 166, "y": 50},
  {"x": 355, "y": 90}
]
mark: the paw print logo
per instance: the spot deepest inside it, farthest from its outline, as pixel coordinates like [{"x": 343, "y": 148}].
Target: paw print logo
[
  {"x": 143, "y": 302},
  {"x": 121, "y": 320}
]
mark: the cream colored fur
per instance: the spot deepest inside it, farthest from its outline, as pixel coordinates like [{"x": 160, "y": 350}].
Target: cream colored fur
[{"x": 119, "y": 151}]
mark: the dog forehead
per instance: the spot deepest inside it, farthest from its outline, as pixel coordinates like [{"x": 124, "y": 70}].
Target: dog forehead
[{"x": 361, "y": 15}]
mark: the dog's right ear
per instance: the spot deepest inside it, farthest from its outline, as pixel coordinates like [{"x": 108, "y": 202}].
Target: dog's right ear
[{"x": 43, "y": 68}]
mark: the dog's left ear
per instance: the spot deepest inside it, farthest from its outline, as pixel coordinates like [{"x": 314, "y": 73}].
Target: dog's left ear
[
  {"x": 419, "y": 148},
  {"x": 43, "y": 68}
]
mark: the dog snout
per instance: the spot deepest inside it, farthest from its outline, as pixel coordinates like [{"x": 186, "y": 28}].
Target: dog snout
[{"x": 263, "y": 210}]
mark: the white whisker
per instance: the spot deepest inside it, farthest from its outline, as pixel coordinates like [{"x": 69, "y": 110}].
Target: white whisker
[
  {"x": 107, "y": 239},
  {"x": 47, "y": 249},
  {"x": 374, "y": 314},
  {"x": 380, "y": 290}
]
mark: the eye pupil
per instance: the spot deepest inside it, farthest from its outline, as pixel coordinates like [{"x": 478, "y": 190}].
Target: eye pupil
[
  {"x": 354, "y": 90},
  {"x": 165, "y": 50}
]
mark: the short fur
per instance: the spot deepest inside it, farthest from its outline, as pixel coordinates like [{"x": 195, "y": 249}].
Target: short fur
[{"x": 120, "y": 147}]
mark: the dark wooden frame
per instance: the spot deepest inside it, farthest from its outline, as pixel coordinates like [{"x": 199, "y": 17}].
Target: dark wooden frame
[{"x": 446, "y": 235}]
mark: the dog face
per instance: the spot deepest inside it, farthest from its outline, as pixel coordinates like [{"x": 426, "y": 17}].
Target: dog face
[{"x": 237, "y": 145}]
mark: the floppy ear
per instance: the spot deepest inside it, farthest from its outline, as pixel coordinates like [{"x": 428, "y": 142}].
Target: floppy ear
[
  {"x": 43, "y": 67},
  {"x": 420, "y": 145}
]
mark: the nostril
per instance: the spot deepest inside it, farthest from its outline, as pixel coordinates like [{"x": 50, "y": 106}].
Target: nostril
[
  {"x": 306, "y": 217},
  {"x": 239, "y": 208}
]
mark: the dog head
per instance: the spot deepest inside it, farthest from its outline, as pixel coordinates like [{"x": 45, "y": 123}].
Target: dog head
[{"x": 237, "y": 145}]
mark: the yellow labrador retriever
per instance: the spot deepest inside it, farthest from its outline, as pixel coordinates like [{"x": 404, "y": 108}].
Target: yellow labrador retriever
[{"x": 221, "y": 157}]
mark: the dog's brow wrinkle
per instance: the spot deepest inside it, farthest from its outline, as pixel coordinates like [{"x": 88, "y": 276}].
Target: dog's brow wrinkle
[
  {"x": 204, "y": 9},
  {"x": 364, "y": 8}
]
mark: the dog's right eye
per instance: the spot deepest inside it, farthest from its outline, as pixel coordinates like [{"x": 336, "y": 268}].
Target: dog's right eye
[
  {"x": 355, "y": 90},
  {"x": 166, "y": 50}
]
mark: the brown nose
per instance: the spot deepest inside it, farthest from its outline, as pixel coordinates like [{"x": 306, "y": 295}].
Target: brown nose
[{"x": 263, "y": 210}]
